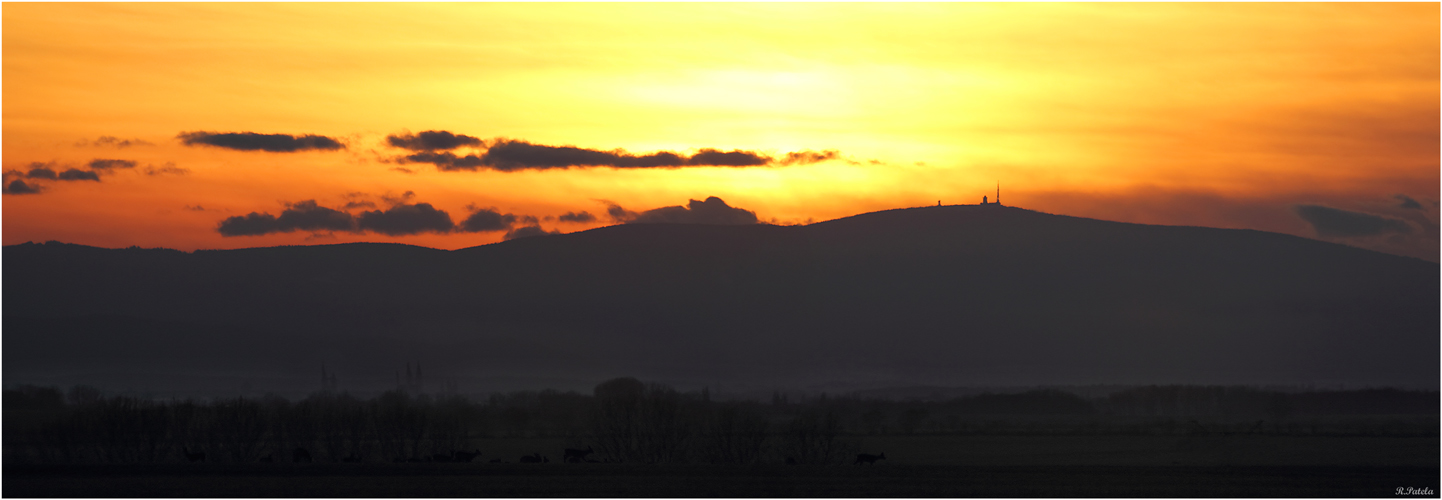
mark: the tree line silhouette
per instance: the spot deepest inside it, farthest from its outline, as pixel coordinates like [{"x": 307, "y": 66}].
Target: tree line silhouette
[{"x": 626, "y": 420}]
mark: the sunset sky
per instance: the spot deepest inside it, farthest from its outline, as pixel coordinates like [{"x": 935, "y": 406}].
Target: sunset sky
[{"x": 455, "y": 125}]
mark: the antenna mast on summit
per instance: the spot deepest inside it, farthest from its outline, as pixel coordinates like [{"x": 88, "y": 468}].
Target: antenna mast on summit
[{"x": 998, "y": 193}]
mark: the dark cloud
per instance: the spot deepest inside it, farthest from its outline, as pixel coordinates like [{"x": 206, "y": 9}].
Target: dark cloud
[
  {"x": 18, "y": 186},
  {"x": 526, "y": 232},
  {"x": 487, "y": 219},
  {"x": 300, "y": 216},
  {"x": 309, "y": 216},
  {"x": 79, "y": 175},
  {"x": 448, "y": 161},
  {"x": 102, "y": 164},
  {"x": 809, "y": 157},
  {"x": 167, "y": 168},
  {"x": 41, "y": 173},
  {"x": 712, "y": 211},
  {"x": 1337, "y": 223},
  {"x": 509, "y": 155},
  {"x": 252, "y": 224},
  {"x": 250, "y": 141},
  {"x": 116, "y": 142},
  {"x": 359, "y": 204},
  {"x": 735, "y": 158},
  {"x": 195, "y": 208},
  {"x": 405, "y": 219},
  {"x": 431, "y": 140},
  {"x": 616, "y": 213},
  {"x": 579, "y": 218},
  {"x": 1408, "y": 202}
]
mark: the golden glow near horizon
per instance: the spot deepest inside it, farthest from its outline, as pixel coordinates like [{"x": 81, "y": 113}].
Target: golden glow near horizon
[{"x": 1225, "y": 115}]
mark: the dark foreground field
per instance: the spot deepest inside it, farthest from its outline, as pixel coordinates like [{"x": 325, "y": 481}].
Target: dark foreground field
[
  {"x": 916, "y": 466},
  {"x": 609, "y": 480}
]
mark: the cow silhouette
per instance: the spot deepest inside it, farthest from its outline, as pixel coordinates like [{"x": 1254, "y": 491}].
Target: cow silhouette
[
  {"x": 198, "y": 456},
  {"x": 576, "y": 456},
  {"x": 535, "y": 458},
  {"x": 863, "y": 458},
  {"x": 300, "y": 455}
]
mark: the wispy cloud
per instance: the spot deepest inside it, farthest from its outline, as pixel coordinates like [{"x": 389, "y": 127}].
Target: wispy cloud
[
  {"x": 167, "y": 168},
  {"x": 104, "y": 164},
  {"x": 114, "y": 142}
]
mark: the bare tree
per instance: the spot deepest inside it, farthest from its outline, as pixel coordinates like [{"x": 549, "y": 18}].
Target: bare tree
[
  {"x": 814, "y": 437},
  {"x": 734, "y": 434},
  {"x": 640, "y": 423}
]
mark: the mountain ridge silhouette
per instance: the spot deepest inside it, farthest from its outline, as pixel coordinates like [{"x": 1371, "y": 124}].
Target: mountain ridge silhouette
[{"x": 953, "y": 295}]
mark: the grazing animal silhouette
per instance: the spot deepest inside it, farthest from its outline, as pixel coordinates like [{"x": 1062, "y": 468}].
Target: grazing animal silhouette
[
  {"x": 466, "y": 456},
  {"x": 790, "y": 460},
  {"x": 268, "y": 458},
  {"x": 576, "y": 456},
  {"x": 351, "y": 458},
  {"x": 535, "y": 458},
  {"x": 863, "y": 458},
  {"x": 300, "y": 455},
  {"x": 198, "y": 456}
]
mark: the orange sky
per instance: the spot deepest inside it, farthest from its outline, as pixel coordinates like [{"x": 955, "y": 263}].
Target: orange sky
[{"x": 1224, "y": 115}]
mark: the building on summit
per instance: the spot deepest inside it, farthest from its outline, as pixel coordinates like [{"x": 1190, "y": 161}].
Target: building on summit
[{"x": 998, "y": 196}]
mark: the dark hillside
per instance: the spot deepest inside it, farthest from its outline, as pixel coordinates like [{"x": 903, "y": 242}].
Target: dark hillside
[{"x": 959, "y": 295}]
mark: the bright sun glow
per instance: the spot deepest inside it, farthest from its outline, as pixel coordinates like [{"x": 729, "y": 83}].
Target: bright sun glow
[{"x": 1121, "y": 111}]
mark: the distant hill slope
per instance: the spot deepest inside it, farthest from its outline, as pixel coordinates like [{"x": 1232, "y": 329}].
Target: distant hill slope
[{"x": 958, "y": 295}]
